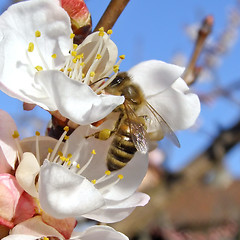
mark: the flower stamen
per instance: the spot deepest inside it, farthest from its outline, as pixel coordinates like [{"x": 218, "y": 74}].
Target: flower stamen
[
  {"x": 66, "y": 129},
  {"x": 37, "y": 146},
  {"x": 87, "y": 163}
]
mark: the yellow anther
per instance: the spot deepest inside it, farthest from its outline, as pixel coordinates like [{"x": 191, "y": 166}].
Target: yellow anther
[
  {"x": 78, "y": 57},
  {"x": 82, "y": 64},
  {"x": 104, "y": 134},
  {"x": 69, "y": 69},
  {"x": 61, "y": 70},
  {"x": 92, "y": 74},
  {"x": 93, "y": 152},
  {"x": 69, "y": 155},
  {"x": 66, "y": 128},
  {"x": 37, "y": 133},
  {"x": 83, "y": 75},
  {"x": 45, "y": 238},
  {"x": 39, "y": 68},
  {"x": 74, "y": 60},
  {"x": 62, "y": 158},
  {"x": 54, "y": 55},
  {"x": 120, "y": 176},
  {"x": 66, "y": 137},
  {"x": 37, "y": 34},
  {"x": 101, "y": 29},
  {"x": 81, "y": 55},
  {"x": 73, "y": 53},
  {"x": 50, "y": 150},
  {"x": 109, "y": 32},
  {"x": 75, "y": 46},
  {"x": 78, "y": 165},
  {"x": 122, "y": 56},
  {"x": 30, "y": 47},
  {"x": 72, "y": 35},
  {"x": 116, "y": 68},
  {"x": 60, "y": 154},
  {"x": 94, "y": 181},
  {"x": 107, "y": 172},
  {"x": 15, "y": 134},
  {"x": 69, "y": 163},
  {"x": 98, "y": 56}
]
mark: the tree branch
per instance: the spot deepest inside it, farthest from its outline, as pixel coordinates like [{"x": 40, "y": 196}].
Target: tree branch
[{"x": 110, "y": 16}]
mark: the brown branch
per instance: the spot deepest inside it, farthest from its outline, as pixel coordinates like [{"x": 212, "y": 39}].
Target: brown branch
[
  {"x": 110, "y": 16},
  {"x": 191, "y": 71}
]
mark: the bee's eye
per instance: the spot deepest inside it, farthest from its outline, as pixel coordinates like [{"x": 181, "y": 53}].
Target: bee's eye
[{"x": 116, "y": 81}]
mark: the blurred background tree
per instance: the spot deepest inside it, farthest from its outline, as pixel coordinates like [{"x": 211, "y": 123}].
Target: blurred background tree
[{"x": 195, "y": 190}]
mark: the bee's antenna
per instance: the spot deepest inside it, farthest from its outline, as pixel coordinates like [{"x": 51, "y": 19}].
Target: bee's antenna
[{"x": 98, "y": 80}]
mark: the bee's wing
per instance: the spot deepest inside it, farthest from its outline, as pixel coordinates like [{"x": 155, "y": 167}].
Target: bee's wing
[
  {"x": 168, "y": 132},
  {"x": 137, "y": 129}
]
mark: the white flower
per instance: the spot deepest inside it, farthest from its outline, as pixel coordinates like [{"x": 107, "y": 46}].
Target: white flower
[
  {"x": 33, "y": 229},
  {"x": 168, "y": 94},
  {"x": 41, "y": 65},
  {"x": 75, "y": 182}
]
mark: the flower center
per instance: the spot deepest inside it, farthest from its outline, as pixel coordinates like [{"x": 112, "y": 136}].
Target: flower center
[
  {"x": 83, "y": 62},
  {"x": 70, "y": 162}
]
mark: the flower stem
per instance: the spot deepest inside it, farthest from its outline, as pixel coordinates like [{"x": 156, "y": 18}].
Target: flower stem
[
  {"x": 192, "y": 71},
  {"x": 111, "y": 14}
]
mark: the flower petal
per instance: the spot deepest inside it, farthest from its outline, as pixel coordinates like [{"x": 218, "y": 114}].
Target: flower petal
[
  {"x": 8, "y": 148},
  {"x": 44, "y": 142},
  {"x": 114, "y": 211},
  {"x": 10, "y": 192},
  {"x": 25, "y": 208},
  {"x": 177, "y": 105},
  {"x": 108, "y": 57},
  {"x": 73, "y": 99},
  {"x": 155, "y": 76},
  {"x": 26, "y": 173},
  {"x": 133, "y": 174},
  {"x": 35, "y": 227},
  {"x": 17, "y": 29},
  {"x": 20, "y": 237},
  {"x": 101, "y": 233},
  {"x": 64, "y": 226},
  {"x": 63, "y": 193}
]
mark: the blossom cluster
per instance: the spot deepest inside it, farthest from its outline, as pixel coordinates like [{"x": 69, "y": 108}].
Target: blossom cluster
[{"x": 49, "y": 186}]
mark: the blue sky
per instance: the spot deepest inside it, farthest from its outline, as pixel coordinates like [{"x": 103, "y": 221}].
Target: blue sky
[{"x": 154, "y": 29}]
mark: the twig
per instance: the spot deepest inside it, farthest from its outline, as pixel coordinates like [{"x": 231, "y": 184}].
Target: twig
[
  {"x": 190, "y": 74},
  {"x": 111, "y": 14}
]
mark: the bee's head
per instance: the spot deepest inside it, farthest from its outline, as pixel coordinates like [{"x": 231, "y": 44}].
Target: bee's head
[
  {"x": 119, "y": 79},
  {"x": 118, "y": 83}
]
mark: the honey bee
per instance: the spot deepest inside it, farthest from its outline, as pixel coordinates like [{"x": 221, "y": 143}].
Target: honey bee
[{"x": 130, "y": 132}]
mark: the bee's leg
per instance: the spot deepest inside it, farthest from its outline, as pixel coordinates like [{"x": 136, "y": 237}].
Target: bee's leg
[{"x": 105, "y": 134}]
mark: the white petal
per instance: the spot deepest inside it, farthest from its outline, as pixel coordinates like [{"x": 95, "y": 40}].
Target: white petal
[
  {"x": 108, "y": 57},
  {"x": 26, "y": 173},
  {"x": 44, "y": 142},
  {"x": 64, "y": 194},
  {"x": 133, "y": 174},
  {"x": 177, "y": 105},
  {"x": 155, "y": 76},
  {"x": 35, "y": 227},
  {"x": 20, "y": 237},
  {"x": 100, "y": 233},
  {"x": 17, "y": 29},
  {"x": 115, "y": 211},
  {"x": 73, "y": 99},
  {"x": 8, "y": 148}
]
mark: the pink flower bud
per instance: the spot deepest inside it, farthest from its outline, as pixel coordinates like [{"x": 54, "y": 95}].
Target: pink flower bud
[{"x": 80, "y": 18}]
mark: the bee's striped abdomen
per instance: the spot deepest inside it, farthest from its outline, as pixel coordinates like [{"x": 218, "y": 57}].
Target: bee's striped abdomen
[{"x": 122, "y": 148}]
